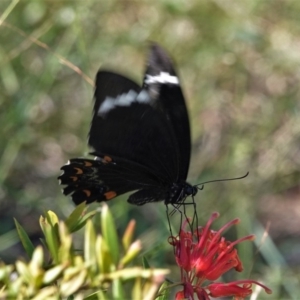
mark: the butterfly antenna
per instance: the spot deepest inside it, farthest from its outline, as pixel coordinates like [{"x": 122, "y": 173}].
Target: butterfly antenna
[{"x": 217, "y": 180}]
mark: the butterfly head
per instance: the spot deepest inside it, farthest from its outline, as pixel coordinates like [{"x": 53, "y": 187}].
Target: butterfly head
[{"x": 179, "y": 191}]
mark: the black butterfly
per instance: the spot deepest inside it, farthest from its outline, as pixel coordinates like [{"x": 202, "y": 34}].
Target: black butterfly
[{"x": 141, "y": 139}]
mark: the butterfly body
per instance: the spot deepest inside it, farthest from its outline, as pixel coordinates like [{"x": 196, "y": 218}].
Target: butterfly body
[{"x": 140, "y": 137}]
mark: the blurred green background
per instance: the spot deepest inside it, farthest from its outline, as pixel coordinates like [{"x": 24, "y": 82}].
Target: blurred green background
[{"x": 239, "y": 63}]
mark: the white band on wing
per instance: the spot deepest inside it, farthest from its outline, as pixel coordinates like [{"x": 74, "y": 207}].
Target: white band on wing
[
  {"x": 163, "y": 77},
  {"x": 123, "y": 100}
]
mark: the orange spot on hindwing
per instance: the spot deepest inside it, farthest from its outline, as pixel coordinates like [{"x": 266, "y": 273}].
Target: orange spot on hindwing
[
  {"x": 109, "y": 195},
  {"x": 79, "y": 171},
  {"x": 87, "y": 192},
  {"x": 74, "y": 178},
  {"x": 88, "y": 163},
  {"x": 107, "y": 159}
]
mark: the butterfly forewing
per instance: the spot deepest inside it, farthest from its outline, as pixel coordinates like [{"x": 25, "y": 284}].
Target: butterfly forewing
[
  {"x": 110, "y": 87},
  {"x": 129, "y": 126},
  {"x": 162, "y": 83}
]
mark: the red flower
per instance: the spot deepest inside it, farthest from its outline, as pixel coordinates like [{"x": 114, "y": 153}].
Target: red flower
[{"x": 206, "y": 255}]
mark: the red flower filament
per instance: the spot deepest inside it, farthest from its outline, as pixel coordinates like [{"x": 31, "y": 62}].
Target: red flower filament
[{"x": 206, "y": 255}]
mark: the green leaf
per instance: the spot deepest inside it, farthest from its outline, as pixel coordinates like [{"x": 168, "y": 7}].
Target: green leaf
[
  {"x": 117, "y": 289},
  {"x": 145, "y": 263},
  {"x": 103, "y": 255},
  {"x": 26, "y": 242},
  {"x": 132, "y": 252},
  {"x": 99, "y": 295},
  {"x": 82, "y": 221},
  {"x": 164, "y": 292},
  {"x": 52, "y": 239},
  {"x": 53, "y": 273},
  {"x": 65, "y": 248},
  {"x": 137, "y": 289},
  {"x": 49, "y": 225},
  {"x": 52, "y": 218},
  {"x": 128, "y": 234},
  {"x": 109, "y": 233},
  {"x": 74, "y": 218},
  {"x": 43, "y": 242},
  {"x": 89, "y": 244},
  {"x": 23, "y": 270},
  {"x": 46, "y": 293},
  {"x": 37, "y": 260},
  {"x": 70, "y": 286},
  {"x": 5, "y": 272}
]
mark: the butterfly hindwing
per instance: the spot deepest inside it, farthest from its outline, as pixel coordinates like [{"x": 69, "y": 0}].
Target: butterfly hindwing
[
  {"x": 104, "y": 179},
  {"x": 147, "y": 195}
]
